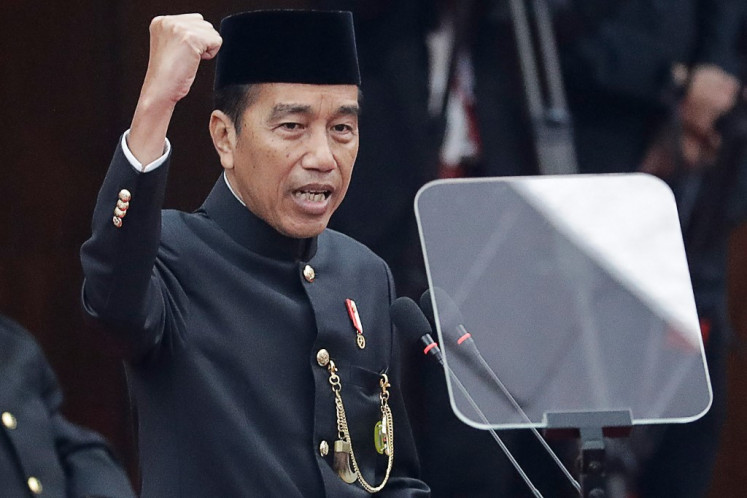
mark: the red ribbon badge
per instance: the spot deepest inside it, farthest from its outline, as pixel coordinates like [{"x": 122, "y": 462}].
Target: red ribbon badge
[{"x": 354, "y": 317}]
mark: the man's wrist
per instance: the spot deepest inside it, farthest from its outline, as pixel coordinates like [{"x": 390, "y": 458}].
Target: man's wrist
[
  {"x": 150, "y": 124},
  {"x": 137, "y": 164}
]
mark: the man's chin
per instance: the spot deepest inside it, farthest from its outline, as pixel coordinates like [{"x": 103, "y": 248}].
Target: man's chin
[{"x": 304, "y": 230}]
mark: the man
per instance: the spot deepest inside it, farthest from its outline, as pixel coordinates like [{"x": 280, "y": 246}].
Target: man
[
  {"x": 41, "y": 453},
  {"x": 259, "y": 344}
]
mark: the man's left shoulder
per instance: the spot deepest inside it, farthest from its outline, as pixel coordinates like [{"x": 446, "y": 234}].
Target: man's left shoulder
[{"x": 337, "y": 243}]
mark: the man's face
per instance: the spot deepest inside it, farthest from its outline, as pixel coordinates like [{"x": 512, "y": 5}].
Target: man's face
[{"x": 294, "y": 154}]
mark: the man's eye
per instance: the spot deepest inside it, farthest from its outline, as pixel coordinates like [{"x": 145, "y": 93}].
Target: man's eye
[
  {"x": 342, "y": 128},
  {"x": 291, "y": 126}
]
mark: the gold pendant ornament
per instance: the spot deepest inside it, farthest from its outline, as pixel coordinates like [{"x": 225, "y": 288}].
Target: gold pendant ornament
[
  {"x": 344, "y": 454},
  {"x": 341, "y": 462}
]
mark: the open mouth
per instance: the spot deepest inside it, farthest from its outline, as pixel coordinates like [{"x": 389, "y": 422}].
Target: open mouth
[{"x": 312, "y": 195}]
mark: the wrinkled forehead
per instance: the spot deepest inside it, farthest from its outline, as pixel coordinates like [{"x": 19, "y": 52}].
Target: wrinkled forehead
[{"x": 292, "y": 98}]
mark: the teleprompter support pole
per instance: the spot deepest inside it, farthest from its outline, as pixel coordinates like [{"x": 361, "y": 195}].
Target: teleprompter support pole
[
  {"x": 591, "y": 428},
  {"x": 591, "y": 463}
]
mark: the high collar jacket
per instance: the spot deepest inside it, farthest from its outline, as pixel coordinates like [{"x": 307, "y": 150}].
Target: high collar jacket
[
  {"x": 223, "y": 322},
  {"x": 41, "y": 453}
]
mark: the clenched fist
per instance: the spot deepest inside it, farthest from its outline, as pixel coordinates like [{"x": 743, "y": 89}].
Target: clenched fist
[{"x": 177, "y": 45}]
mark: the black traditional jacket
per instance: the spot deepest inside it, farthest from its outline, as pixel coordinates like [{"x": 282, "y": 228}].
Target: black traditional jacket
[
  {"x": 224, "y": 321},
  {"x": 41, "y": 453}
]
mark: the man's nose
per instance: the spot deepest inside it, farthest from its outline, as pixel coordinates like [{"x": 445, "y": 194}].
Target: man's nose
[{"x": 319, "y": 154}]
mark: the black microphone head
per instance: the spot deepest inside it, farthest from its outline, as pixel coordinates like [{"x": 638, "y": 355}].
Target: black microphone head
[
  {"x": 427, "y": 306},
  {"x": 409, "y": 319}
]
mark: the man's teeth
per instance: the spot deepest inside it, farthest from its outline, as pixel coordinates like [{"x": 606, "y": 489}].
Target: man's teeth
[{"x": 311, "y": 196}]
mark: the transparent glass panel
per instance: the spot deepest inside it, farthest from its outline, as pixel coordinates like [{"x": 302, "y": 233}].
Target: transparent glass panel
[{"x": 576, "y": 293}]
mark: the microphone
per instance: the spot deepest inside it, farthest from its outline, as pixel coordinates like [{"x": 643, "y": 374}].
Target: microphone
[
  {"x": 458, "y": 339},
  {"x": 412, "y": 323},
  {"x": 453, "y": 330},
  {"x": 451, "y": 317}
]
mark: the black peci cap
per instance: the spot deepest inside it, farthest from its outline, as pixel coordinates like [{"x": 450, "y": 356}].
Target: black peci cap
[{"x": 287, "y": 46}]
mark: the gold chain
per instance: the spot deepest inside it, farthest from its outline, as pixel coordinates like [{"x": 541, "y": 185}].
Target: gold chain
[{"x": 344, "y": 433}]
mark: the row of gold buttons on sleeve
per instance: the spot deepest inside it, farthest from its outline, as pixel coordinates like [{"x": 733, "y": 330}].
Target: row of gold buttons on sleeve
[
  {"x": 10, "y": 422},
  {"x": 123, "y": 204}
]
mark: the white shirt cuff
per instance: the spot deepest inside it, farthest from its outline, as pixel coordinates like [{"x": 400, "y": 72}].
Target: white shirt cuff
[{"x": 136, "y": 164}]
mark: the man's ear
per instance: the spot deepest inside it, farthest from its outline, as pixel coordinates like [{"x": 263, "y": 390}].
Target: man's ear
[{"x": 223, "y": 133}]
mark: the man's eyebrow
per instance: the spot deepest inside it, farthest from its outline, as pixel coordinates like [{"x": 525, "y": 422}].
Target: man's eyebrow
[
  {"x": 281, "y": 110},
  {"x": 349, "y": 110}
]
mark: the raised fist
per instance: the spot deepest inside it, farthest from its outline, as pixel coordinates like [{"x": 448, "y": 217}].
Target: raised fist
[{"x": 177, "y": 45}]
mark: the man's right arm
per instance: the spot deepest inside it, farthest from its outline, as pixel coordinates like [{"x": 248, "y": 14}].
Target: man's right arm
[{"x": 120, "y": 285}]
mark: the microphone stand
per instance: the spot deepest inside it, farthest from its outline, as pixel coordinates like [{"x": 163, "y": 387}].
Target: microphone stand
[
  {"x": 465, "y": 337},
  {"x": 496, "y": 437},
  {"x": 590, "y": 427},
  {"x": 516, "y": 406}
]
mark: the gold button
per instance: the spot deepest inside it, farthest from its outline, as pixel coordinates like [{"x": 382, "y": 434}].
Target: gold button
[
  {"x": 124, "y": 206},
  {"x": 117, "y": 221},
  {"x": 308, "y": 273},
  {"x": 322, "y": 357},
  {"x": 125, "y": 195},
  {"x": 35, "y": 485},
  {"x": 119, "y": 213},
  {"x": 324, "y": 448},
  {"x": 9, "y": 421}
]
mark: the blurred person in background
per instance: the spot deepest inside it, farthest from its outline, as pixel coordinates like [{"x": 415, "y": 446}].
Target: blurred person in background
[{"x": 42, "y": 453}]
